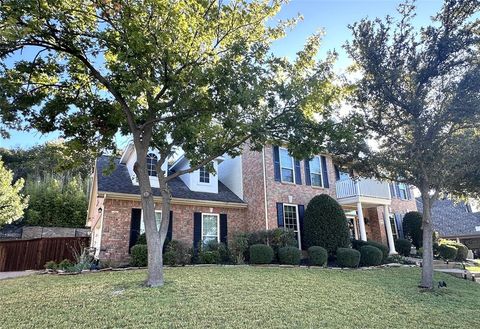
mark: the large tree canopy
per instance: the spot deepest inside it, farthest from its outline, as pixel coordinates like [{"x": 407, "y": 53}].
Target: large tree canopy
[
  {"x": 195, "y": 74},
  {"x": 418, "y": 98}
]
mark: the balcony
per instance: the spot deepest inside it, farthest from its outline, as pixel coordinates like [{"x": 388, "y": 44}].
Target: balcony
[{"x": 364, "y": 190}]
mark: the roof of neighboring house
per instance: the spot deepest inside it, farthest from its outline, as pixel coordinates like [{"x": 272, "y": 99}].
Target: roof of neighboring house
[
  {"x": 452, "y": 219},
  {"x": 119, "y": 181}
]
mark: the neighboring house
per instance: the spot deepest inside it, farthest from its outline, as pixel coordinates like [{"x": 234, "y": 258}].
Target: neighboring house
[
  {"x": 455, "y": 221},
  {"x": 255, "y": 191}
]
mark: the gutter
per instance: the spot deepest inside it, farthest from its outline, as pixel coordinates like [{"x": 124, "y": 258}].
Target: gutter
[{"x": 176, "y": 201}]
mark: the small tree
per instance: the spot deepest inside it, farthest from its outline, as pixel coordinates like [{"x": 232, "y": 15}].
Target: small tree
[
  {"x": 196, "y": 75},
  {"x": 418, "y": 98},
  {"x": 412, "y": 228},
  {"x": 325, "y": 225},
  {"x": 12, "y": 201}
]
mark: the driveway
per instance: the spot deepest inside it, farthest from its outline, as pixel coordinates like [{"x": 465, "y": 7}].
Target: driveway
[{"x": 10, "y": 275}]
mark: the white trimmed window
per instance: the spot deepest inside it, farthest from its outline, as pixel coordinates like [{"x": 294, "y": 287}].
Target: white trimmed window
[
  {"x": 286, "y": 166},
  {"x": 316, "y": 178},
  {"x": 158, "y": 219},
  {"x": 152, "y": 164},
  {"x": 210, "y": 228},
  {"x": 204, "y": 175},
  {"x": 290, "y": 219}
]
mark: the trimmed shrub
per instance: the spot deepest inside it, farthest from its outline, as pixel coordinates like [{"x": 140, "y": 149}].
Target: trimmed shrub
[
  {"x": 261, "y": 254},
  {"x": 142, "y": 239},
  {"x": 412, "y": 228},
  {"x": 420, "y": 252},
  {"x": 447, "y": 252},
  {"x": 213, "y": 253},
  {"x": 370, "y": 256},
  {"x": 357, "y": 244},
  {"x": 317, "y": 256},
  {"x": 462, "y": 250},
  {"x": 276, "y": 238},
  {"x": 347, "y": 257},
  {"x": 139, "y": 255},
  {"x": 403, "y": 247},
  {"x": 289, "y": 255},
  {"x": 177, "y": 253},
  {"x": 325, "y": 224}
]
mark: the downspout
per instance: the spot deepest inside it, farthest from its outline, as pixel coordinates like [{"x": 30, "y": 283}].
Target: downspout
[
  {"x": 101, "y": 226},
  {"x": 265, "y": 188}
]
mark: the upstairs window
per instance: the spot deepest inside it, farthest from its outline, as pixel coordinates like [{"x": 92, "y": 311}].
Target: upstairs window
[
  {"x": 152, "y": 164},
  {"x": 403, "y": 191},
  {"x": 204, "y": 175},
  {"x": 286, "y": 166},
  {"x": 316, "y": 172}
]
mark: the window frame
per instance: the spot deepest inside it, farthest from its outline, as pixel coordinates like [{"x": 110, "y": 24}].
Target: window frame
[
  {"x": 393, "y": 226},
  {"x": 200, "y": 176},
  {"x": 299, "y": 238},
  {"x": 281, "y": 167},
  {"x": 152, "y": 166},
  {"x": 403, "y": 189},
  {"x": 218, "y": 226},
  {"x": 314, "y": 173},
  {"x": 142, "y": 224}
]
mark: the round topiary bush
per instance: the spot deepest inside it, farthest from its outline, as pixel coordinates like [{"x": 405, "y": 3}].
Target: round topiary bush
[
  {"x": 347, "y": 257},
  {"x": 317, "y": 256},
  {"x": 447, "y": 252},
  {"x": 412, "y": 228},
  {"x": 370, "y": 256},
  {"x": 403, "y": 247},
  {"x": 357, "y": 244},
  {"x": 261, "y": 254},
  {"x": 139, "y": 255},
  {"x": 325, "y": 224},
  {"x": 462, "y": 250},
  {"x": 289, "y": 255}
]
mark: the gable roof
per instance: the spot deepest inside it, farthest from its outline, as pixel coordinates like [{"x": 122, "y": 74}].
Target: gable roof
[
  {"x": 119, "y": 181},
  {"x": 452, "y": 220}
]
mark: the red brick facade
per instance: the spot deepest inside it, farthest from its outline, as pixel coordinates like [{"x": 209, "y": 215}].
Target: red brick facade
[{"x": 117, "y": 221}]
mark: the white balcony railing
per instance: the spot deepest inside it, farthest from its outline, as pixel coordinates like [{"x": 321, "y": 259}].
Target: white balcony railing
[{"x": 366, "y": 187}]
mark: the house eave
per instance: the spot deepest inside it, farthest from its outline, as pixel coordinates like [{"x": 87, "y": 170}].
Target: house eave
[{"x": 175, "y": 201}]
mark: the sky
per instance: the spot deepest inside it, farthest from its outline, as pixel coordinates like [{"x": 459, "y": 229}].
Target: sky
[{"x": 332, "y": 16}]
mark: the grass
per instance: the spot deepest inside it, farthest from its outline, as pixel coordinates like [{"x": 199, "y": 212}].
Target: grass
[{"x": 240, "y": 297}]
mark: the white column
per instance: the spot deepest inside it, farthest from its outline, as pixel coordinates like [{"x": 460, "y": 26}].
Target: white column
[
  {"x": 388, "y": 226},
  {"x": 361, "y": 222}
]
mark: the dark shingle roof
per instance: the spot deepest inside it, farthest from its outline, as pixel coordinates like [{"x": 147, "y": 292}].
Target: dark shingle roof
[
  {"x": 119, "y": 181},
  {"x": 452, "y": 220}
]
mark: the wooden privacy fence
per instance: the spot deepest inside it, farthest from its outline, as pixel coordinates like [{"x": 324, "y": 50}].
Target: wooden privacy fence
[{"x": 20, "y": 255}]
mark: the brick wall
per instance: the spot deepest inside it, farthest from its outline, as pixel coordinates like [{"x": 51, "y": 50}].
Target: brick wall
[
  {"x": 117, "y": 221},
  {"x": 298, "y": 194}
]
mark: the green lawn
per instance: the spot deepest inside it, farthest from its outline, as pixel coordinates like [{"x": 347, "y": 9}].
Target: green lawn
[{"x": 241, "y": 297}]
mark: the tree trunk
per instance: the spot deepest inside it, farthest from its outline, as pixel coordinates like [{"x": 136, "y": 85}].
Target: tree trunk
[
  {"x": 154, "y": 243},
  {"x": 427, "y": 262}
]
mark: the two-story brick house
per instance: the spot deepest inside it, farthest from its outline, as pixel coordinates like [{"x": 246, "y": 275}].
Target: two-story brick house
[{"x": 255, "y": 191}]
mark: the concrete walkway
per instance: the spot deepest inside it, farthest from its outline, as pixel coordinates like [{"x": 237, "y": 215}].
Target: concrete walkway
[{"x": 10, "y": 275}]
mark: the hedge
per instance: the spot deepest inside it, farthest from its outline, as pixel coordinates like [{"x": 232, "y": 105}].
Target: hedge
[
  {"x": 412, "y": 228},
  {"x": 370, "y": 256},
  {"x": 261, "y": 254},
  {"x": 357, "y": 244},
  {"x": 289, "y": 255},
  {"x": 403, "y": 247},
  {"x": 447, "y": 252},
  {"x": 347, "y": 257},
  {"x": 139, "y": 254},
  {"x": 317, "y": 256}
]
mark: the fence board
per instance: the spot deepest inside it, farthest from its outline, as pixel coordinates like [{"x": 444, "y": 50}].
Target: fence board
[{"x": 20, "y": 255}]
